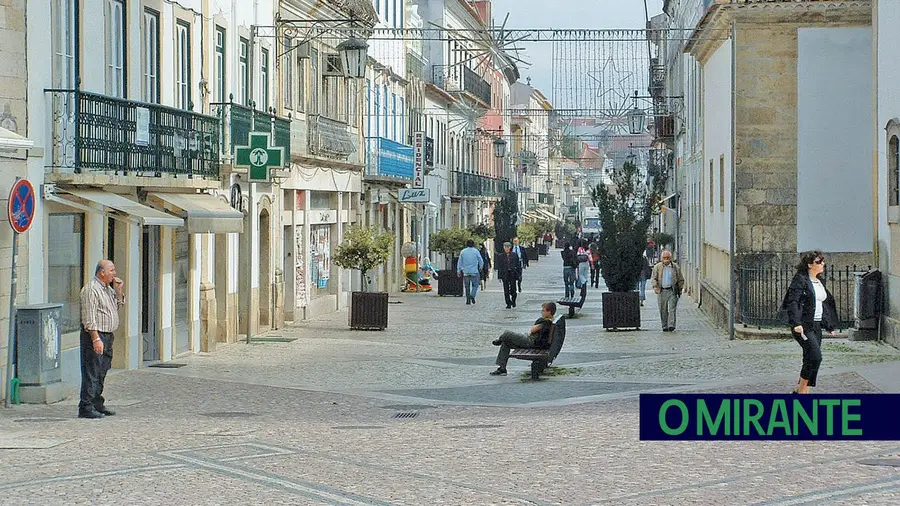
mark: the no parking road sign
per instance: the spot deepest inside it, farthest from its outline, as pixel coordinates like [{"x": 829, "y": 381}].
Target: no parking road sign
[{"x": 21, "y": 206}]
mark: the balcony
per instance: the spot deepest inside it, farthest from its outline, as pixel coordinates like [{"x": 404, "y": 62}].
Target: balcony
[
  {"x": 389, "y": 160},
  {"x": 545, "y": 198},
  {"x": 238, "y": 121},
  {"x": 330, "y": 138},
  {"x": 461, "y": 79},
  {"x": 664, "y": 127},
  {"x": 97, "y": 133},
  {"x": 657, "y": 78},
  {"x": 465, "y": 184}
]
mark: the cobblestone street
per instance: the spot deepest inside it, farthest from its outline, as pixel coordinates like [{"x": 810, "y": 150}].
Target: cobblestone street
[{"x": 320, "y": 414}]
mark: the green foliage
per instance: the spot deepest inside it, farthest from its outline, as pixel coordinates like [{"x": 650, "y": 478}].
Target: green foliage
[
  {"x": 527, "y": 233},
  {"x": 481, "y": 232},
  {"x": 505, "y": 213},
  {"x": 625, "y": 212},
  {"x": 544, "y": 226},
  {"x": 363, "y": 249},
  {"x": 450, "y": 241},
  {"x": 566, "y": 231},
  {"x": 663, "y": 239}
]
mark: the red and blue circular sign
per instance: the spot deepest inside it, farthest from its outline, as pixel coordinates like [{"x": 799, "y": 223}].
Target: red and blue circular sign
[{"x": 21, "y": 206}]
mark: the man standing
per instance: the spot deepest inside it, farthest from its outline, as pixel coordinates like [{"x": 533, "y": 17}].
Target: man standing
[
  {"x": 509, "y": 270},
  {"x": 667, "y": 284},
  {"x": 100, "y": 301},
  {"x": 469, "y": 267},
  {"x": 523, "y": 259},
  {"x": 538, "y": 337}
]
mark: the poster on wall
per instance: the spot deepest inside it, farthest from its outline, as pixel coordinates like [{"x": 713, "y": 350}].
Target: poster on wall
[
  {"x": 300, "y": 281},
  {"x": 320, "y": 256}
]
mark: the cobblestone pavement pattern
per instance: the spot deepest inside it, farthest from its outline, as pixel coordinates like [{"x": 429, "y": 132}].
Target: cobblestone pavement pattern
[{"x": 315, "y": 420}]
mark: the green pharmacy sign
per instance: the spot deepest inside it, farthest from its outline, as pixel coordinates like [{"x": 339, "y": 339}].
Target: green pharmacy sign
[{"x": 260, "y": 156}]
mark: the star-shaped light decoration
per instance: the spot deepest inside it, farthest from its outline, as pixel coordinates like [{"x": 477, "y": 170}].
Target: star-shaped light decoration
[
  {"x": 494, "y": 46},
  {"x": 599, "y": 77}
]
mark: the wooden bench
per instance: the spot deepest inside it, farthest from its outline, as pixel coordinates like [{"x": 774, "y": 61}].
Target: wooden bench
[
  {"x": 574, "y": 302},
  {"x": 542, "y": 357}
]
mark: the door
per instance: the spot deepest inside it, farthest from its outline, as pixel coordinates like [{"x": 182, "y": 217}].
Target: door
[
  {"x": 182, "y": 288},
  {"x": 150, "y": 292}
]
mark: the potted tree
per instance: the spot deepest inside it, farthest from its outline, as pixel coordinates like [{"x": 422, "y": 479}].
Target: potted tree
[
  {"x": 506, "y": 213},
  {"x": 363, "y": 249},
  {"x": 527, "y": 233},
  {"x": 543, "y": 227},
  {"x": 449, "y": 242},
  {"x": 626, "y": 208}
]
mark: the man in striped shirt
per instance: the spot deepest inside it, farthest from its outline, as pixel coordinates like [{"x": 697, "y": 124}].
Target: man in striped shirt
[{"x": 100, "y": 301}]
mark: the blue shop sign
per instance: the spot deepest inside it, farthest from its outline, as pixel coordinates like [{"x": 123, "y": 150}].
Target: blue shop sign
[{"x": 393, "y": 159}]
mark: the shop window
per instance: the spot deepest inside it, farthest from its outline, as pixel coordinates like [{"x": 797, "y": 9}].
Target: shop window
[
  {"x": 66, "y": 266},
  {"x": 320, "y": 259}
]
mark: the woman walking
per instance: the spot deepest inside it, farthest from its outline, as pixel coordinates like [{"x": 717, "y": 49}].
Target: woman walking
[
  {"x": 583, "y": 257},
  {"x": 810, "y": 308},
  {"x": 646, "y": 272},
  {"x": 569, "y": 266},
  {"x": 595, "y": 265},
  {"x": 486, "y": 270}
]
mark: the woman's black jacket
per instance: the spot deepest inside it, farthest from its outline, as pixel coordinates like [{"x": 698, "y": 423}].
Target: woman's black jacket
[
  {"x": 568, "y": 257},
  {"x": 800, "y": 304}
]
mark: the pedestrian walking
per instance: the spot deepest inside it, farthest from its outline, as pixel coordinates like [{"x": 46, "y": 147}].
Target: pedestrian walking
[
  {"x": 538, "y": 337},
  {"x": 100, "y": 301},
  {"x": 569, "y": 266},
  {"x": 646, "y": 272},
  {"x": 667, "y": 284},
  {"x": 509, "y": 270},
  {"x": 810, "y": 308},
  {"x": 595, "y": 265},
  {"x": 523, "y": 260},
  {"x": 469, "y": 268},
  {"x": 486, "y": 266},
  {"x": 582, "y": 256}
]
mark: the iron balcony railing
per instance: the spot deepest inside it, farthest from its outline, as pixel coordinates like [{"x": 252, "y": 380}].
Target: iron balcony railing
[
  {"x": 461, "y": 79},
  {"x": 467, "y": 184},
  {"x": 761, "y": 289},
  {"x": 237, "y": 121},
  {"x": 94, "y": 132},
  {"x": 389, "y": 159},
  {"x": 330, "y": 138}
]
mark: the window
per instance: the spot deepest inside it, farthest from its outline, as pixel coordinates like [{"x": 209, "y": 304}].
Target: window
[
  {"x": 368, "y": 108},
  {"x": 245, "y": 71},
  {"x": 288, "y": 78},
  {"x": 183, "y": 70},
  {"x": 150, "y": 42},
  {"x": 264, "y": 79},
  {"x": 386, "y": 114},
  {"x": 711, "y": 186},
  {"x": 377, "y": 115},
  {"x": 722, "y": 183},
  {"x": 115, "y": 48},
  {"x": 220, "y": 65},
  {"x": 403, "y": 122},
  {"x": 352, "y": 102},
  {"x": 315, "y": 80},
  {"x": 301, "y": 84},
  {"x": 894, "y": 171},
  {"x": 65, "y": 255},
  {"x": 63, "y": 26},
  {"x": 394, "y": 116}
]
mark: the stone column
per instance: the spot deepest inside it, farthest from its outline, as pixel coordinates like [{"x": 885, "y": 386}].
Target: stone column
[{"x": 208, "y": 317}]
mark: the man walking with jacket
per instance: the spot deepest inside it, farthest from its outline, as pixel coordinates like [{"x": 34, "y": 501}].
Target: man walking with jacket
[
  {"x": 469, "y": 268},
  {"x": 509, "y": 270},
  {"x": 667, "y": 284}
]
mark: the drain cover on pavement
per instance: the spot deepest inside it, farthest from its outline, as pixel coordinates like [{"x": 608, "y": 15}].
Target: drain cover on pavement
[
  {"x": 407, "y": 414},
  {"x": 475, "y": 427},
  {"x": 38, "y": 420},
  {"x": 229, "y": 414},
  {"x": 881, "y": 462},
  {"x": 407, "y": 407},
  {"x": 355, "y": 427},
  {"x": 168, "y": 365}
]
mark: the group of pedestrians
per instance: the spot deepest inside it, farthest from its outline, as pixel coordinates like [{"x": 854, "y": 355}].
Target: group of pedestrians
[
  {"x": 474, "y": 267},
  {"x": 580, "y": 266}
]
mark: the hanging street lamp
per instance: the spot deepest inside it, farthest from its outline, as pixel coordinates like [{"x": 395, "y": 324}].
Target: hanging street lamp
[
  {"x": 353, "y": 53},
  {"x": 636, "y": 118},
  {"x": 499, "y": 148}
]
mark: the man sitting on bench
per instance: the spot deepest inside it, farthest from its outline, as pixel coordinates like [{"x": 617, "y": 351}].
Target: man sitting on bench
[{"x": 539, "y": 337}]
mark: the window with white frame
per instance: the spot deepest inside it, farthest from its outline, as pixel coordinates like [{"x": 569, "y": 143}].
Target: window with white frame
[
  {"x": 315, "y": 81},
  {"x": 287, "y": 79},
  {"x": 221, "y": 87},
  {"x": 150, "y": 49},
  {"x": 64, "y": 29},
  {"x": 244, "y": 69},
  {"x": 369, "y": 110},
  {"x": 264, "y": 79},
  {"x": 386, "y": 109},
  {"x": 183, "y": 65},
  {"x": 115, "y": 48},
  {"x": 301, "y": 83},
  {"x": 394, "y": 116},
  {"x": 403, "y": 122}
]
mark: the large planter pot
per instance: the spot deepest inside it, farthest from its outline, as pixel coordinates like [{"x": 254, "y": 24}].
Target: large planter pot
[
  {"x": 368, "y": 310},
  {"x": 449, "y": 283},
  {"x": 543, "y": 249},
  {"x": 621, "y": 310},
  {"x": 532, "y": 253}
]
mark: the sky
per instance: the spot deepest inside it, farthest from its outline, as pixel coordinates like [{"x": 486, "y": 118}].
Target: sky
[{"x": 562, "y": 14}]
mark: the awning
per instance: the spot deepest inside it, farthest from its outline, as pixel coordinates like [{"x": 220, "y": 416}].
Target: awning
[
  {"x": 117, "y": 204},
  {"x": 204, "y": 213},
  {"x": 547, "y": 214},
  {"x": 12, "y": 140}
]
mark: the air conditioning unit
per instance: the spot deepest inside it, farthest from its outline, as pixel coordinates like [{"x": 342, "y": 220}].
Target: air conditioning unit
[
  {"x": 302, "y": 50},
  {"x": 333, "y": 66}
]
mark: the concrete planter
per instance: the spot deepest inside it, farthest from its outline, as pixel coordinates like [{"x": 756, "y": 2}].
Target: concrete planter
[
  {"x": 369, "y": 310},
  {"x": 621, "y": 310}
]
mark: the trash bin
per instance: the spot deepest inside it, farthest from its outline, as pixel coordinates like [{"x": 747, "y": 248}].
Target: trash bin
[
  {"x": 867, "y": 304},
  {"x": 38, "y": 353}
]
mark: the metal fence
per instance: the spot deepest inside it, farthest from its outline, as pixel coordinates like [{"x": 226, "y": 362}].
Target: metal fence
[{"x": 761, "y": 289}]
